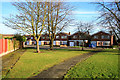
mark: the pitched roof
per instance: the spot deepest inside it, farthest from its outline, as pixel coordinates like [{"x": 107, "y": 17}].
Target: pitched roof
[
  {"x": 100, "y": 33},
  {"x": 80, "y": 33},
  {"x": 63, "y": 33}
]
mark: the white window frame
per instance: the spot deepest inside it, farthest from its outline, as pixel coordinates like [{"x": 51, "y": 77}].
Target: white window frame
[{"x": 57, "y": 37}]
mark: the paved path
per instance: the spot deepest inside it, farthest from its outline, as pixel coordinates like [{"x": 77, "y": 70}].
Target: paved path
[{"x": 59, "y": 70}]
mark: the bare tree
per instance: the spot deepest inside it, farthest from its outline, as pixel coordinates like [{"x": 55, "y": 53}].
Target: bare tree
[
  {"x": 30, "y": 19},
  {"x": 110, "y": 16},
  {"x": 57, "y": 19},
  {"x": 84, "y": 29}
]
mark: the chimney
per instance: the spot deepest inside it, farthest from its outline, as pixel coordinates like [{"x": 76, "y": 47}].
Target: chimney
[{"x": 69, "y": 33}]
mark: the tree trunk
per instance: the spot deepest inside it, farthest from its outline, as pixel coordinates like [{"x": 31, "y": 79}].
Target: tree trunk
[
  {"x": 38, "y": 51},
  {"x": 51, "y": 44}
]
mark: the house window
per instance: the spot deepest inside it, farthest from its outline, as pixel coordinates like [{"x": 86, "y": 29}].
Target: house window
[
  {"x": 57, "y": 37},
  {"x": 102, "y": 37},
  {"x": 31, "y": 37},
  {"x": 43, "y": 37},
  {"x": 108, "y": 37},
  {"x": 95, "y": 37},
  {"x": 47, "y": 37},
  {"x": 63, "y": 42},
  {"x": 74, "y": 37},
  {"x": 63, "y": 37},
  {"x": 105, "y": 37},
  {"x": 99, "y": 43},
  {"x": 80, "y": 36},
  {"x": 80, "y": 42},
  {"x": 106, "y": 43}
]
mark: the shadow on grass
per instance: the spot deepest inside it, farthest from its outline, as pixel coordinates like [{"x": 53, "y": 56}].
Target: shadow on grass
[
  {"x": 62, "y": 49},
  {"x": 80, "y": 50},
  {"x": 29, "y": 48},
  {"x": 112, "y": 50},
  {"x": 69, "y": 49}
]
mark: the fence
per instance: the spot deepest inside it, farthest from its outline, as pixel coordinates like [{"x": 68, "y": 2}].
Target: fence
[{"x": 8, "y": 45}]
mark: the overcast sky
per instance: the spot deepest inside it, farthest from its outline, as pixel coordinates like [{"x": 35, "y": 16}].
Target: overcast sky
[{"x": 84, "y": 11}]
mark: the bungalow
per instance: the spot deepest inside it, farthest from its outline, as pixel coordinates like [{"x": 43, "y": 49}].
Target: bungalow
[{"x": 102, "y": 39}]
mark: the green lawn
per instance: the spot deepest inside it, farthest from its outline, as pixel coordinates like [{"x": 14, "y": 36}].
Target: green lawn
[
  {"x": 9, "y": 60},
  {"x": 32, "y": 63},
  {"x": 101, "y": 65}
]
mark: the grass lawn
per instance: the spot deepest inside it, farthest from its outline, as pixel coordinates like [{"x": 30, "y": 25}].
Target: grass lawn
[
  {"x": 101, "y": 65},
  {"x": 9, "y": 60},
  {"x": 32, "y": 63}
]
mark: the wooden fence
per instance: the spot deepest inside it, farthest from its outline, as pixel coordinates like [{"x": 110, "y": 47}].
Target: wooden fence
[{"x": 8, "y": 45}]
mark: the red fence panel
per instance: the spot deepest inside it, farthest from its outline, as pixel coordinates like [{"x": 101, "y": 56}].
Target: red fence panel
[
  {"x": 6, "y": 45},
  {"x": 1, "y": 46}
]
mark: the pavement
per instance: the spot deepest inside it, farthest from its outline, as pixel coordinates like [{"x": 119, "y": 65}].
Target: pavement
[{"x": 59, "y": 70}]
